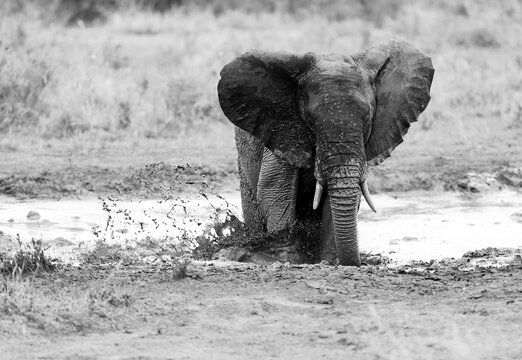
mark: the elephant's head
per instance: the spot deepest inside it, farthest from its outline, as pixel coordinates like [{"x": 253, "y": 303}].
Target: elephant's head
[{"x": 334, "y": 113}]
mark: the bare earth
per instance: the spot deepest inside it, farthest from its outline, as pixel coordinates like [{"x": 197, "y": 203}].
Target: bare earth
[
  {"x": 239, "y": 311},
  {"x": 111, "y": 307}
]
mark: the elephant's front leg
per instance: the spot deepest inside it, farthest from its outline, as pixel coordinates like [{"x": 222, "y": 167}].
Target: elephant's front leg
[
  {"x": 277, "y": 195},
  {"x": 277, "y": 192}
]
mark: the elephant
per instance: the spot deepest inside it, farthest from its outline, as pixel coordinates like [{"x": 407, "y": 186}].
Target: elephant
[{"x": 307, "y": 129}]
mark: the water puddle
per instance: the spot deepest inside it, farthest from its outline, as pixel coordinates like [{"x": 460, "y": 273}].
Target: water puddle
[
  {"x": 424, "y": 226},
  {"x": 408, "y": 226}
]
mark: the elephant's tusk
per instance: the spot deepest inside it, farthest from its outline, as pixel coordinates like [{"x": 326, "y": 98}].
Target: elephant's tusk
[
  {"x": 318, "y": 194},
  {"x": 366, "y": 194}
]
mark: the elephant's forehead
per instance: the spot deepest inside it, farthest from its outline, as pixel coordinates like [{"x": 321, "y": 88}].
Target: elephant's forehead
[
  {"x": 334, "y": 74},
  {"x": 335, "y": 63},
  {"x": 333, "y": 57}
]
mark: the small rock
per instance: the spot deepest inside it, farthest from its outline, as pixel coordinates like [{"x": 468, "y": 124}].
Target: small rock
[
  {"x": 374, "y": 260},
  {"x": 275, "y": 266},
  {"x": 510, "y": 176},
  {"x": 409, "y": 238},
  {"x": 11, "y": 220},
  {"x": 263, "y": 259},
  {"x": 221, "y": 255},
  {"x": 325, "y": 301},
  {"x": 33, "y": 215},
  {"x": 233, "y": 254},
  {"x": 60, "y": 241},
  {"x": 344, "y": 341},
  {"x": 517, "y": 217},
  {"x": 478, "y": 183}
]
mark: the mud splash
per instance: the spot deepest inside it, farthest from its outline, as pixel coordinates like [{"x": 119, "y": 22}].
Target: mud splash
[
  {"x": 409, "y": 226},
  {"x": 67, "y": 226}
]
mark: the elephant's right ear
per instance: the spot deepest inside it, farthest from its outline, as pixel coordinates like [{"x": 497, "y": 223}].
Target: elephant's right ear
[{"x": 258, "y": 93}]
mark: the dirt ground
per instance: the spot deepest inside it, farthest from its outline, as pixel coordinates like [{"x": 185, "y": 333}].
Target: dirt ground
[
  {"x": 32, "y": 168},
  {"x": 113, "y": 306},
  {"x": 237, "y": 311}
]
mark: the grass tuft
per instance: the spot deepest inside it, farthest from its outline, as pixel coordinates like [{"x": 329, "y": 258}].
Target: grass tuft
[{"x": 29, "y": 258}]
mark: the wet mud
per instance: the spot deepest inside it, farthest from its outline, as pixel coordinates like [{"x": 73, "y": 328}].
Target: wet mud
[
  {"x": 409, "y": 226},
  {"x": 441, "y": 279}
]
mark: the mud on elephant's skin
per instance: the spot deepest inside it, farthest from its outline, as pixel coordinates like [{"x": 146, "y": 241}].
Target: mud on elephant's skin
[{"x": 309, "y": 125}]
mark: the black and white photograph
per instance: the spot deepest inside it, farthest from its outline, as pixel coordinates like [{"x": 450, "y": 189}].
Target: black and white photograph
[{"x": 260, "y": 179}]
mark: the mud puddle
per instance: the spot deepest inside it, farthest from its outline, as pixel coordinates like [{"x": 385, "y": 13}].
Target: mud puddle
[
  {"x": 67, "y": 226},
  {"x": 425, "y": 226},
  {"x": 409, "y": 226}
]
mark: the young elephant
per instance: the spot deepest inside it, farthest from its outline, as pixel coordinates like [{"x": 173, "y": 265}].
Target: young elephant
[{"x": 309, "y": 125}]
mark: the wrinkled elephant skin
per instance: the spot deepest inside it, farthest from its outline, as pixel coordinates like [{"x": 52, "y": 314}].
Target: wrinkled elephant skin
[{"x": 308, "y": 126}]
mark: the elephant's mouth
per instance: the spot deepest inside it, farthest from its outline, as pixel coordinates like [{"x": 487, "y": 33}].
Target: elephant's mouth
[{"x": 364, "y": 189}]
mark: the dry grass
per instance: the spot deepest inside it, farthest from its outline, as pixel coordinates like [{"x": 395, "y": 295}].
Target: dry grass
[
  {"x": 29, "y": 258},
  {"x": 146, "y": 74},
  {"x": 29, "y": 307}
]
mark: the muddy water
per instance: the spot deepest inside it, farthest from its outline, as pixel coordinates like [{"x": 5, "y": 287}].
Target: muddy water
[
  {"x": 424, "y": 226},
  {"x": 408, "y": 226}
]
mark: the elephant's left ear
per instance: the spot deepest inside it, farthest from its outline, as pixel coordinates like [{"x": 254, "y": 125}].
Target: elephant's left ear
[
  {"x": 402, "y": 78},
  {"x": 258, "y": 93}
]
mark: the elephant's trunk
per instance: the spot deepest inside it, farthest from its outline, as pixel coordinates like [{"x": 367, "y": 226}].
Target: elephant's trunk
[
  {"x": 341, "y": 165},
  {"x": 344, "y": 192},
  {"x": 344, "y": 217}
]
